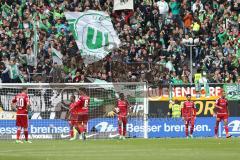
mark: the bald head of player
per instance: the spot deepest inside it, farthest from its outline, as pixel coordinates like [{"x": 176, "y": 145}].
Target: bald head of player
[{"x": 188, "y": 97}]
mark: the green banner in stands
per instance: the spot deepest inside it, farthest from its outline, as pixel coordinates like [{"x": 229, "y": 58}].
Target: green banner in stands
[{"x": 232, "y": 91}]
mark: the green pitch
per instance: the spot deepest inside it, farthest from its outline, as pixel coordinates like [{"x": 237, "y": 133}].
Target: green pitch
[{"x": 130, "y": 149}]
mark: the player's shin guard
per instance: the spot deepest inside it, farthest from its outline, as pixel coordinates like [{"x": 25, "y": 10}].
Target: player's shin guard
[
  {"x": 186, "y": 130},
  {"x": 26, "y": 135},
  {"x": 18, "y": 134}
]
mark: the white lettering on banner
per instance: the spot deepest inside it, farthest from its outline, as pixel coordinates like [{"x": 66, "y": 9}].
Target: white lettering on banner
[
  {"x": 50, "y": 129},
  {"x": 234, "y": 127},
  {"x": 137, "y": 128},
  {"x": 181, "y": 128},
  {"x": 138, "y": 108},
  {"x": 181, "y": 91},
  {"x": 36, "y": 130},
  {"x": 36, "y": 136},
  {"x": 106, "y": 127},
  {"x": 8, "y": 130}
]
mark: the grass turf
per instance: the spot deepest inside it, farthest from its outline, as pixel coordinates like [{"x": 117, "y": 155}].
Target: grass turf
[{"x": 130, "y": 149}]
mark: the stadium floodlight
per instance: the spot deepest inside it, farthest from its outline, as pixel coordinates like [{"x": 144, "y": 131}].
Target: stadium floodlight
[{"x": 49, "y": 110}]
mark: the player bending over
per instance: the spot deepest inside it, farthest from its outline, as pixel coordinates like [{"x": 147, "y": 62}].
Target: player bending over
[
  {"x": 121, "y": 110},
  {"x": 189, "y": 115},
  {"x": 21, "y": 102},
  {"x": 73, "y": 116},
  {"x": 222, "y": 113},
  {"x": 81, "y": 107}
]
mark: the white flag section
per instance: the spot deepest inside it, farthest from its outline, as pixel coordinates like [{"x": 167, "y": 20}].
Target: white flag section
[
  {"x": 94, "y": 34},
  {"x": 56, "y": 56},
  {"x": 123, "y": 4},
  {"x": 101, "y": 83}
]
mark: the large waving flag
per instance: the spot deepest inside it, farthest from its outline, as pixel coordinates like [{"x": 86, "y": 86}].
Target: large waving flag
[{"x": 94, "y": 34}]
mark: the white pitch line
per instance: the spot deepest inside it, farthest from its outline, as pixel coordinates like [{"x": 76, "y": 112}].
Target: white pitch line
[{"x": 59, "y": 150}]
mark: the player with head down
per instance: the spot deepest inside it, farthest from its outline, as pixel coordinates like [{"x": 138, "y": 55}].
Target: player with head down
[
  {"x": 121, "y": 111},
  {"x": 73, "y": 118},
  {"x": 81, "y": 109},
  {"x": 222, "y": 113},
  {"x": 21, "y": 103}
]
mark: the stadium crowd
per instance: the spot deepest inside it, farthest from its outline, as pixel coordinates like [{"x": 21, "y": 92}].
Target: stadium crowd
[{"x": 155, "y": 41}]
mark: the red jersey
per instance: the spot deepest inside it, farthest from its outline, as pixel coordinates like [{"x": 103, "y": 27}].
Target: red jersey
[
  {"x": 123, "y": 107},
  {"x": 21, "y": 100},
  {"x": 188, "y": 109},
  {"x": 223, "y": 103},
  {"x": 82, "y": 104},
  {"x": 72, "y": 108}
]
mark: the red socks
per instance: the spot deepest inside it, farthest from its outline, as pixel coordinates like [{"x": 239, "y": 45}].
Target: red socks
[
  {"x": 122, "y": 131},
  {"x": 191, "y": 130},
  {"x": 26, "y": 135},
  {"x": 82, "y": 129},
  {"x": 71, "y": 133},
  {"x": 186, "y": 130},
  {"x": 226, "y": 129},
  {"x": 18, "y": 134}
]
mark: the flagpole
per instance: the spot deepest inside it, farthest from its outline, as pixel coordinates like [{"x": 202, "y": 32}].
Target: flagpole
[
  {"x": 191, "y": 61},
  {"x": 35, "y": 39}
]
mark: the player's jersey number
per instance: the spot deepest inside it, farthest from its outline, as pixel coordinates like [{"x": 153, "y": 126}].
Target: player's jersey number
[
  {"x": 20, "y": 103},
  {"x": 86, "y": 102}
]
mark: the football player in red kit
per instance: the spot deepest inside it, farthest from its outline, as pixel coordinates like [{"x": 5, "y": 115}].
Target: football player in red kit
[
  {"x": 189, "y": 115},
  {"x": 222, "y": 113},
  {"x": 122, "y": 111},
  {"x": 21, "y": 103},
  {"x": 81, "y": 107},
  {"x": 73, "y": 115}
]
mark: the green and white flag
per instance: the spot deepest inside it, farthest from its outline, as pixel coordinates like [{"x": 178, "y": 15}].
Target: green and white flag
[
  {"x": 94, "y": 34},
  {"x": 56, "y": 56}
]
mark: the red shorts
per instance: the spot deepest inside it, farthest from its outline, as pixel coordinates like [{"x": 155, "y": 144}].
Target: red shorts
[
  {"x": 222, "y": 116},
  {"x": 78, "y": 118},
  {"x": 122, "y": 119},
  {"x": 72, "y": 122},
  {"x": 83, "y": 118},
  {"x": 22, "y": 121},
  {"x": 189, "y": 120}
]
